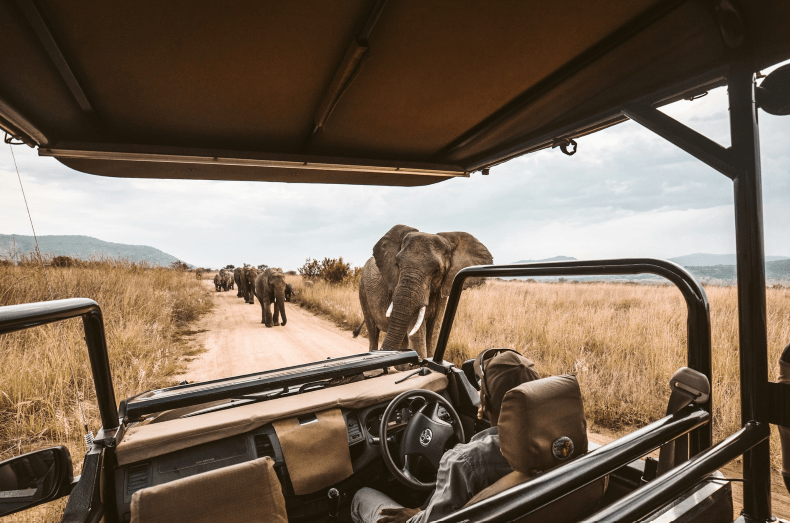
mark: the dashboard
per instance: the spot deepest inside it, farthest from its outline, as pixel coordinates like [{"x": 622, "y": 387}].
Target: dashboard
[{"x": 362, "y": 427}]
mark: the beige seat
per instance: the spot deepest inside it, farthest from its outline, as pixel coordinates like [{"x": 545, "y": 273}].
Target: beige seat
[
  {"x": 541, "y": 427},
  {"x": 247, "y": 492}
]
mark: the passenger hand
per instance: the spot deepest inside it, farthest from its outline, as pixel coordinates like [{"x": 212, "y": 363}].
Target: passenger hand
[{"x": 397, "y": 515}]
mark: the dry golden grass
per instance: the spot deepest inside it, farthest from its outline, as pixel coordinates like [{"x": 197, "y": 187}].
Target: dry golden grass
[
  {"x": 338, "y": 301},
  {"x": 145, "y": 310},
  {"x": 622, "y": 341}
]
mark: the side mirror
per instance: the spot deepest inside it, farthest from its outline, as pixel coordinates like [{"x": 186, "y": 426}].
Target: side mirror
[
  {"x": 34, "y": 478},
  {"x": 773, "y": 95}
]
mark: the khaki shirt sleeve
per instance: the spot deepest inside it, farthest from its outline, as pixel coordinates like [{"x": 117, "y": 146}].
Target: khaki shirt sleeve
[{"x": 456, "y": 483}]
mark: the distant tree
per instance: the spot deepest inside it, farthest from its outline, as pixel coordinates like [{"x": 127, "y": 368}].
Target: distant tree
[
  {"x": 263, "y": 266},
  {"x": 331, "y": 270},
  {"x": 229, "y": 266},
  {"x": 65, "y": 261},
  {"x": 335, "y": 270},
  {"x": 178, "y": 265},
  {"x": 311, "y": 270},
  {"x": 291, "y": 273}
]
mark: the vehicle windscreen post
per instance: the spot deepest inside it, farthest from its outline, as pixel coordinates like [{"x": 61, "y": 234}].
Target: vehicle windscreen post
[
  {"x": 100, "y": 367},
  {"x": 750, "y": 255}
]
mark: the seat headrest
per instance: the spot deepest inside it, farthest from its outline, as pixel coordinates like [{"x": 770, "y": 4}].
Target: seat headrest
[{"x": 542, "y": 424}]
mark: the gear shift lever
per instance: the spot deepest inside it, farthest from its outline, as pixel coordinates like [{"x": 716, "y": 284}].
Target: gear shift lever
[{"x": 334, "y": 502}]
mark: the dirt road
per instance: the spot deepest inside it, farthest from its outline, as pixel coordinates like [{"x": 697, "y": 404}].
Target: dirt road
[{"x": 236, "y": 341}]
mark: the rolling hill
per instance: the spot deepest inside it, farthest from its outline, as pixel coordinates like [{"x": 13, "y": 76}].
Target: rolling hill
[
  {"x": 717, "y": 269},
  {"x": 701, "y": 259},
  {"x": 83, "y": 247}
]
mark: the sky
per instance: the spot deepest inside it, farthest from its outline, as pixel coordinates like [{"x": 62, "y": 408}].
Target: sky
[{"x": 625, "y": 193}]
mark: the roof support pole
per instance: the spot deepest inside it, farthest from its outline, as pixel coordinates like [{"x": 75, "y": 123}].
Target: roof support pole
[{"x": 752, "y": 325}]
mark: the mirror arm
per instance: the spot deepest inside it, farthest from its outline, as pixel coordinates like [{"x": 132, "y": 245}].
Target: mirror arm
[{"x": 84, "y": 505}]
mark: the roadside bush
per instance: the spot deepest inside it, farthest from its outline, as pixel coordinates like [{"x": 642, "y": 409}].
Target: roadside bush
[{"x": 330, "y": 270}]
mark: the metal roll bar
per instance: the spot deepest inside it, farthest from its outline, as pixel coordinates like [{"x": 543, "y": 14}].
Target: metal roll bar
[
  {"x": 25, "y": 316},
  {"x": 529, "y": 497},
  {"x": 655, "y": 494},
  {"x": 697, "y": 323}
]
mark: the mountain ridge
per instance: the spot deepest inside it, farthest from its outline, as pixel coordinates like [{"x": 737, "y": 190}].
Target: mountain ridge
[
  {"x": 83, "y": 247},
  {"x": 705, "y": 267}
]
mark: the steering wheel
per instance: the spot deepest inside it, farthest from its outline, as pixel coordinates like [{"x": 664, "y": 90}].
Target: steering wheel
[{"x": 425, "y": 435}]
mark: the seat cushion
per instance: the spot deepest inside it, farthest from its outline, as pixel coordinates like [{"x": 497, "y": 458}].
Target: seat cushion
[
  {"x": 239, "y": 493},
  {"x": 569, "y": 508}
]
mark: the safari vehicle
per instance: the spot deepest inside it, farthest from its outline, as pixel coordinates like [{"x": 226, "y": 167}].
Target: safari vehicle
[{"x": 388, "y": 93}]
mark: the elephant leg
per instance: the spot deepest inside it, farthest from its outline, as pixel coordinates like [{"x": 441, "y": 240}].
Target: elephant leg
[
  {"x": 267, "y": 312},
  {"x": 373, "y": 333},
  {"x": 276, "y": 317}
]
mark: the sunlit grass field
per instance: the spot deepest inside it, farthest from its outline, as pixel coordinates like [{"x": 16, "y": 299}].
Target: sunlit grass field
[
  {"x": 623, "y": 341},
  {"x": 146, "y": 311}
]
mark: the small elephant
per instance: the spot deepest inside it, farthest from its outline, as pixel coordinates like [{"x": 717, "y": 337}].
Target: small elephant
[
  {"x": 270, "y": 289},
  {"x": 289, "y": 290},
  {"x": 405, "y": 285},
  {"x": 229, "y": 281},
  {"x": 223, "y": 279},
  {"x": 237, "y": 280},
  {"x": 248, "y": 276},
  {"x": 217, "y": 282}
]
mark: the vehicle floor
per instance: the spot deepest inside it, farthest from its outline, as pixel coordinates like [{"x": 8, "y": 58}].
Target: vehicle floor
[
  {"x": 780, "y": 500},
  {"x": 236, "y": 342}
]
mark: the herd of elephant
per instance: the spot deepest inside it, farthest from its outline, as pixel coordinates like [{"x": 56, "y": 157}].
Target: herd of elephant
[
  {"x": 403, "y": 289},
  {"x": 267, "y": 285}
]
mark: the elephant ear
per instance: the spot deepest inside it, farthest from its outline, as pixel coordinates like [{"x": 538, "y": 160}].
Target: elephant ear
[
  {"x": 466, "y": 251},
  {"x": 385, "y": 250}
]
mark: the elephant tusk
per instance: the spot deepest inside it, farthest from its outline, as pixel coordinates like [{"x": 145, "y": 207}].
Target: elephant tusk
[
  {"x": 389, "y": 311},
  {"x": 419, "y": 321}
]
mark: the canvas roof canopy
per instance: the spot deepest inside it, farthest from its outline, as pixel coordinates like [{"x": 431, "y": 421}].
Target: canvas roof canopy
[{"x": 399, "y": 92}]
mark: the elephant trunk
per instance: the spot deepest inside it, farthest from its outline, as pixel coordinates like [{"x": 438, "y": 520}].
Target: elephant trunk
[{"x": 408, "y": 302}]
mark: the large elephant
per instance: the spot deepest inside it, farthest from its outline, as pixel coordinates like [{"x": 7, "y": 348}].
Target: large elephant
[
  {"x": 229, "y": 280},
  {"x": 237, "y": 280},
  {"x": 404, "y": 286},
  {"x": 248, "y": 276},
  {"x": 270, "y": 289},
  {"x": 217, "y": 282}
]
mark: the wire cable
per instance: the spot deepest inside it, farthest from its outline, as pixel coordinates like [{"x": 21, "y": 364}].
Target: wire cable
[{"x": 78, "y": 394}]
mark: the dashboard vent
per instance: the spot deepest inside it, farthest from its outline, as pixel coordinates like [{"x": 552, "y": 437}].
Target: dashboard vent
[
  {"x": 354, "y": 429},
  {"x": 263, "y": 446},
  {"x": 137, "y": 477}
]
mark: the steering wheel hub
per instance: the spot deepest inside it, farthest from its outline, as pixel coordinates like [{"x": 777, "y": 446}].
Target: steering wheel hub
[{"x": 425, "y": 437}]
